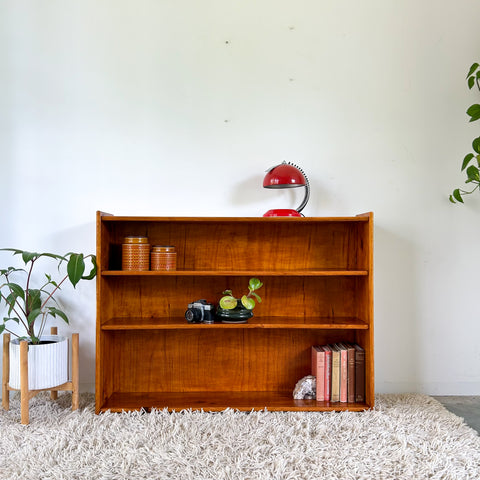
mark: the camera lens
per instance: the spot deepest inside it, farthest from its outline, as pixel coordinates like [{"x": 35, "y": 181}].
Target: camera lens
[{"x": 193, "y": 315}]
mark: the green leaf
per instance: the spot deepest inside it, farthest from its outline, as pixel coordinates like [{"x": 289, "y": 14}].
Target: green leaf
[
  {"x": 248, "y": 302},
  {"x": 472, "y": 69},
  {"x": 14, "y": 250},
  {"x": 17, "y": 290},
  {"x": 55, "y": 311},
  {"x": 93, "y": 271},
  {"x": 471, "y": 82},
  {"x": 10, "y": 270},
  {"x": 15, "y": 319},
  {"x": 476, "y": 144},
  {"x": 466, "y": 161},
  {"x": 473, "y": 173},
  {"x": 457, "y": 195},
  {"x": 474, "y": 112},
  {"x": 52, "y": 255},
  {"x": 257, "y": 297},
  {"x": 75, "y": 268},
  {"x": 33, "y": 315},
  {"x": 29, "y": 256},
  {"x": 228, "y": 302},
  {"x": 2, "y": 328},
  {"x": 254, "y": 284},
  {"x": 34, "y": 298},
  {"x": 11, "y": 300}
]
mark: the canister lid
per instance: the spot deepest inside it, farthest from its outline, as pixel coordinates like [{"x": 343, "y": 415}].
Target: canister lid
[
  {"x": 163, "y": 248},
  {"x": 135, "y": 239}
]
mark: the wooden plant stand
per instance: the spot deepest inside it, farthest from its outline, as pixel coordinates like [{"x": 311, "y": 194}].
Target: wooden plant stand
[{"x": 25, "y": 393}]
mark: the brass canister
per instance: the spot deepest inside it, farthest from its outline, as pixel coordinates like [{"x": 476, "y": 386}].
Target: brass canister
[
  {"x": 163, "y": 257},
  {"x": 135, "y": 253}
]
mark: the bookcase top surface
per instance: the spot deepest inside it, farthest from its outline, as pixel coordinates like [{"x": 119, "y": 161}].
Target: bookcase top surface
[{"x": 107, "y": 217}]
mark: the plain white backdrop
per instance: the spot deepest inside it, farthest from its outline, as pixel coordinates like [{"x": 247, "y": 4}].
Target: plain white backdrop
[{"x": 177, "y": 107}]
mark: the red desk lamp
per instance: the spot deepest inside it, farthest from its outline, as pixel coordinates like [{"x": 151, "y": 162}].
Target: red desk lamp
[{"x": 287, "y": 175}]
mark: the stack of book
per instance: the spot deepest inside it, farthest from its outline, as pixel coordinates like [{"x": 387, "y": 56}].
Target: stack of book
[{"x": 339, "y": 369}]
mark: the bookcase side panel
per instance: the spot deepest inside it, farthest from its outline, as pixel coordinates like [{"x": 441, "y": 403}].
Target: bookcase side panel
[
  {"x": 103, "y": 383},
  {"x": 365, "y": 289}
]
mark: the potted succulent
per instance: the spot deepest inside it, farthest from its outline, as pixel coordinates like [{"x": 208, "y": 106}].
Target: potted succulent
[
  {"x": 239, "y": 310},
  {"x": 472, "y": 169},
  {"x": 30, "y": 306}
]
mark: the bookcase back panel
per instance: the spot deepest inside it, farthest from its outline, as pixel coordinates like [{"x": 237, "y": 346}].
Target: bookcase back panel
[
  {"x": 239, "y": 245},
  {"x": 225, "y": 360},
  {"x": 161, "y": 297}
]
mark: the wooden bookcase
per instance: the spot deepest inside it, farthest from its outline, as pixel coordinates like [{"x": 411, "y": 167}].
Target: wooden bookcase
[{"x": 318, "y": 288}]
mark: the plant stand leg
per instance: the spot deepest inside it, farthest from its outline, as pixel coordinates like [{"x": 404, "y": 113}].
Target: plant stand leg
[
  {"x": 24, "y": 392},
  {"x": 53, "y": 393},
  {"x": 6, "y": 371},
  {"x": 75, "y": 371}
]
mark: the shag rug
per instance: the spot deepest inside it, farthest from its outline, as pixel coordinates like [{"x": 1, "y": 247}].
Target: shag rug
[{"x": 404, "y": 437}]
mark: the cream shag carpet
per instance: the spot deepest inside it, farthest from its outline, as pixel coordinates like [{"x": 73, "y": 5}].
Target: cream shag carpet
[{"x": 405, "y": 437}]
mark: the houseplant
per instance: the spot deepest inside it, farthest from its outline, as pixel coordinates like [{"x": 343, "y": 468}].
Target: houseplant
[
  {"x": 238, "y": 310},
  {"x": 30, "y": 307},
  {"x": 471, "y": 161}
]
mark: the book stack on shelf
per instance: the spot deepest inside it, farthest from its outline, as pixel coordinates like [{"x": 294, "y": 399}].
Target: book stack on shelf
[{"x": 339, "y": 369}]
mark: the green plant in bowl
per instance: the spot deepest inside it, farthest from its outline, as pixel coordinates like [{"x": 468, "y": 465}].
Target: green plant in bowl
[{"x": 229, "y": 302}]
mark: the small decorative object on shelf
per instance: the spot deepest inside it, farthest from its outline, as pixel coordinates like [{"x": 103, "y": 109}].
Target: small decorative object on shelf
[
  {"x": 305, "y": 388},
  {"x": 238, "y": 314},
  {"x": 163, "y": 257},
  {"x": 200, "y": 311},
  {"x": 135, "y": 253},
  {"x": 239, "y": 310}
]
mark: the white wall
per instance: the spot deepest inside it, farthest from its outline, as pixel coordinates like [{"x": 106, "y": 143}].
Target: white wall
[{"x": 174, "y": 107}]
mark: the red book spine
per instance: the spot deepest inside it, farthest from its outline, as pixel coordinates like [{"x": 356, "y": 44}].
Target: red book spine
[
  {"x": 343, "y": 373},
  {"x": 328, "y": 373}
]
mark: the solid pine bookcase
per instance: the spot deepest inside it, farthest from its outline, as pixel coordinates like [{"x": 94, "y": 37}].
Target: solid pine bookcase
[{"x": 318, "y": 288}]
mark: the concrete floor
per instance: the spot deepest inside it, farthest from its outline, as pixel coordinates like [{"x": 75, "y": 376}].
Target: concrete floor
[{"x": 467, "y": 407}]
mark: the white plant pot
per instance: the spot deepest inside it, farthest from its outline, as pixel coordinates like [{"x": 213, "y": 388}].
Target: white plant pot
[{"x": 47, "y": 363}]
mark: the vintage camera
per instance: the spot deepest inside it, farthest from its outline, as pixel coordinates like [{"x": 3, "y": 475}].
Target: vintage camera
[{"x": 200, "y": 312}]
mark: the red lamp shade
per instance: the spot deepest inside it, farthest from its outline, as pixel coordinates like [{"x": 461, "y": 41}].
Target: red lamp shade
[{"x": 286, "y": 175}]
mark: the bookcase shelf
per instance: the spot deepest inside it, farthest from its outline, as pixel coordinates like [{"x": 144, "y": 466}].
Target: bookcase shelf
[
  {"x": 236, "y": 273},
  {"x": 139, "y": 323},
  {"x": 216, "y": 401},
  {"x": 318, "y": 289}
]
